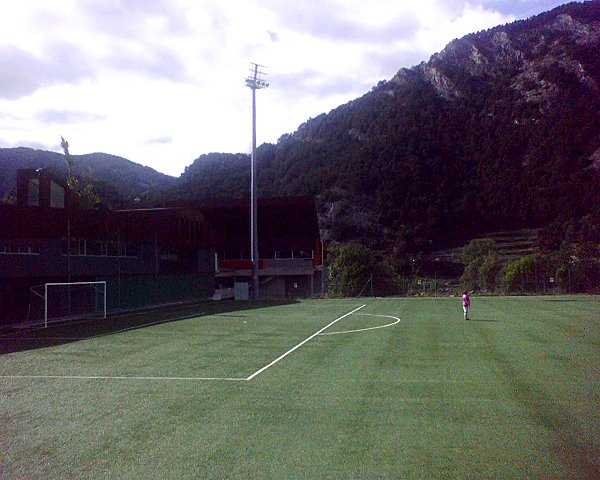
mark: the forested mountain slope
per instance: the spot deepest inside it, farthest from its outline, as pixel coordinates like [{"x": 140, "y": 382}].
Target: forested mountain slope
[
  {"x": 122, "y": 177},
  {"x": 497, "y": 131}
]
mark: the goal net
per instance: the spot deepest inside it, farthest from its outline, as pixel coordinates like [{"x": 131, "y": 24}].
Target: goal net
[{"x": 63, "y": 301}]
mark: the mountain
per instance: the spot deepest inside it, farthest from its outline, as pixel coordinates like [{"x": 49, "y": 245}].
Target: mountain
[
  {"x": 127, "y": 178},
  {"x": 499, "y": 130}
]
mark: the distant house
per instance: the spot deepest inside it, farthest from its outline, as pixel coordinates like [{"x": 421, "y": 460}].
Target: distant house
[
  {"x": 40, "y": 187},
  {"x": 151, "y": 256}
]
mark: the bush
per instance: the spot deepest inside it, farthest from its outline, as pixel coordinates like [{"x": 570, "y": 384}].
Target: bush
[
  {"x": 489, "y": 270},
  {"x": 579, "y": 272},
  {"x": 574, "y": 269},
  {"x": 482, "y": 264},
  {"x": 354, "y": 270},
  {"x": 477, "y": 249},
  {"x": 519, "y": 275},
  {"x": 350, "y": 268}
]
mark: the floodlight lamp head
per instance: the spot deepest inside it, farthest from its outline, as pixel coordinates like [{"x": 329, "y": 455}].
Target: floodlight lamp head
[{"x": 256, "y": 83}]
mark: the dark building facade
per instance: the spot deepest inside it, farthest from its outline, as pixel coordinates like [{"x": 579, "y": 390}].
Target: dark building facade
[
  {"x": 145, "y": 256},
  {"x": 289, "y": 244},
  {"x": 152, "y": 256}
]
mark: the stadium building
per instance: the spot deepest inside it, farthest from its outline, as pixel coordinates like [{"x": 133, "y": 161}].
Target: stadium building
[
  {"x": 149, "y": 256},
  {"x": 290, "y": 247}
]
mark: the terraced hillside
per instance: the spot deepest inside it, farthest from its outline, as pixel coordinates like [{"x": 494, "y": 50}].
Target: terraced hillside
[
  {"x": 511, "y": 245},
  {"x": 514, "y": 245}
]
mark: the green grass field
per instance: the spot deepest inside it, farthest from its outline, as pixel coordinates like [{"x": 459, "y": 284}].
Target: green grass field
[{"x": 184, "y": 393}]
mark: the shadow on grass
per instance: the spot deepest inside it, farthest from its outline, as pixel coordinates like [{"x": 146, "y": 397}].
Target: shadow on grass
[
  {"x": 32, "y": 338},
  {"x": 490, "y": 320},
  {"x": 560, "y": 300}
]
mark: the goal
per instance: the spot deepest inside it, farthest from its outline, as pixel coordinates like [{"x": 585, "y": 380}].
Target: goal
[{"x": 69, "y": 300}]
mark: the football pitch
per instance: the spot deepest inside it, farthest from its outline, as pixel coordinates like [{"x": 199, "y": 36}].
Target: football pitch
[{"x": 349, "y": 388}]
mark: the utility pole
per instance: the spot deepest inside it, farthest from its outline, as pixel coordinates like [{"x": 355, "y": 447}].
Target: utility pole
[{"x": 255, "y": 82}]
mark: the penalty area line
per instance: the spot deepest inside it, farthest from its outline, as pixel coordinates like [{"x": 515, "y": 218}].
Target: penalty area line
[
  {"x": 107, "y": 377},
  {"x": 281, "y": 357},
  {"x": 188, "y": 379}
]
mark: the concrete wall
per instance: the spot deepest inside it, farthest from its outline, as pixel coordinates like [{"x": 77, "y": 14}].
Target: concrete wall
[{"x": 273, "y": 287}]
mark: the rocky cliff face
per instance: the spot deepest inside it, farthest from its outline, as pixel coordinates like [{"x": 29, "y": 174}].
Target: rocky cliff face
[
  {"x": 513, "y": 82},
  {"x": 527, "y": 54}
]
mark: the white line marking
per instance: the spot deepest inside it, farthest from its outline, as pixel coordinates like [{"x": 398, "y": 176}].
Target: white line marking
[
  {"x": 321, "y": 302},
  {"x": 99, "y": 377},
  {"x": 365, "y": 329},
  {"x": 258, "y": 372},
  {"x": 231, "y": 379}
]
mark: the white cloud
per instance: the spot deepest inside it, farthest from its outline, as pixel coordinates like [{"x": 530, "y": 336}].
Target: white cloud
[
  {"x": 161, "y": 82},
  {"x": 23, "y": 72},
  {"x": 440, "y": 29},
  {"x": 67, "y": 117}
]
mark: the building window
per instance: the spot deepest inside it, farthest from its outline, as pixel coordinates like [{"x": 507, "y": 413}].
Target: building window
[
  {"x": 129, "y": 249},
  {"x": 33, "y": 192},
  {"x": 81, "y": 247},
  {"x": 77, "y": 246},
  {"x": 95, "y": 248},
  {"x": 168, "y": 254},
  {"x": 234, "y": 254},
  {"x": 57, "y": 195},
  {"x": 21, "y": 247},
  {"x": 112, "y": 248}
]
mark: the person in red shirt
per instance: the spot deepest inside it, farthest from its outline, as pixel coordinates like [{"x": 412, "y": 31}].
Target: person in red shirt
[{"x": 466, "y": 303}]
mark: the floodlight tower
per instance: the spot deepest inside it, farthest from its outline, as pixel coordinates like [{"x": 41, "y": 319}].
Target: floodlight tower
[{"x": 255, "y": 82}]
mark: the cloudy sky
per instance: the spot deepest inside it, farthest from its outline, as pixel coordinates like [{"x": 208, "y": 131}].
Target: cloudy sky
[{"x": 161, "y": 82}]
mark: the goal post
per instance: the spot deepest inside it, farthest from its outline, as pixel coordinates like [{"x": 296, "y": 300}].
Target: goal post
[{"x": 67, "y": 300}]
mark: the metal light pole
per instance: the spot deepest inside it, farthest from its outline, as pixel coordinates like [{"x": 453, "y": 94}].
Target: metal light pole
[{"x": 255, "y": 82}]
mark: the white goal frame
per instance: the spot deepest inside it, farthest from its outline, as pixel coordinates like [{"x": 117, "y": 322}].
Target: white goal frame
[{"x": 99, "y": 286}]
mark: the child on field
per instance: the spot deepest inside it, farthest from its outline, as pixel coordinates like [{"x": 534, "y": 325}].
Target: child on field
[{"x": 466, "y": 303}]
